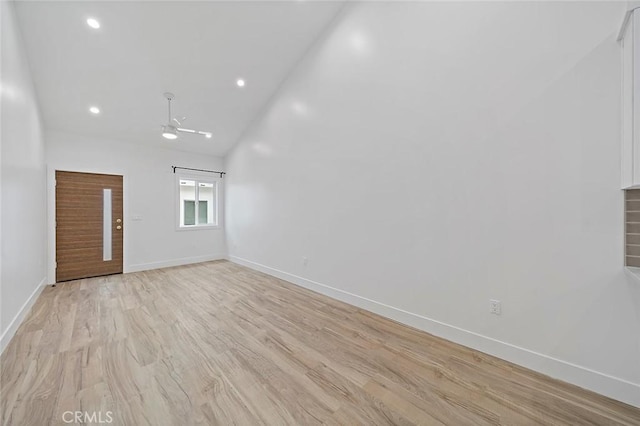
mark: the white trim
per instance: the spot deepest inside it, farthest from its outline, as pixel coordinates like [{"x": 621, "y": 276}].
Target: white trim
[
  {"x": 174, "y": 262},
  {"x": 17, "y": 320},
  {"x": 633, "y": 5},
  {"x": 613, "y": 387},
  {"x": 198, "y": 227},
  {"x": 633, "y": 272},
  {"x": 625, "y": 22}
]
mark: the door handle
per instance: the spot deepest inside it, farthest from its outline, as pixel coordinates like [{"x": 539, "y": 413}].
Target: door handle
[
  {"x": 118, "y": 220},
  {"x": 118, "y": 227}
]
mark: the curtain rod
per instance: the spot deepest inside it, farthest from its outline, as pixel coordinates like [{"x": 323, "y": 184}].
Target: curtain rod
[{"x": 198, "y": 170}]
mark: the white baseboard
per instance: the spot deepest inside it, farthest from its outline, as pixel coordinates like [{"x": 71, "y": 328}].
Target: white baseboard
[
  {"x": 17, "y": 320},
  {"x": 604, "y": 384},
  {"x": 174, "y": 262}
]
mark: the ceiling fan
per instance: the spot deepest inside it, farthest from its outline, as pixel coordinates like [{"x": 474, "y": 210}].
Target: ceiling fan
[{"x": 170, "y": 131}]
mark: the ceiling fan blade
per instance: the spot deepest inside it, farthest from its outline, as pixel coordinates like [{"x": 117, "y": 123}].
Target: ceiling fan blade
[
  {"x": 179, "y": 120},
  {"x": 197, "y": 132}
]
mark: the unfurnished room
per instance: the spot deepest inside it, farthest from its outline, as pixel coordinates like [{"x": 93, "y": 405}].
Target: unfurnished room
[{"x": 319, "y": 213}]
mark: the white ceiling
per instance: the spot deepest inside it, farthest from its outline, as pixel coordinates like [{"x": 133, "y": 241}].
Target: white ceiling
[{"x": 196, "y": 50}]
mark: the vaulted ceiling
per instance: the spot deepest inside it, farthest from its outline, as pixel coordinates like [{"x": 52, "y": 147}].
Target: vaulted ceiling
[{"x": 197, "y": 50}]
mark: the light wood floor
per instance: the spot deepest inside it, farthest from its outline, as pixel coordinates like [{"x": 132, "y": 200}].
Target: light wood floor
[{"x": 216, "y": 343}]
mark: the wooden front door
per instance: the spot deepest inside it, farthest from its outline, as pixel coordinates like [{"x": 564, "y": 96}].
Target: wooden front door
[{"x": 89, "y": 225}]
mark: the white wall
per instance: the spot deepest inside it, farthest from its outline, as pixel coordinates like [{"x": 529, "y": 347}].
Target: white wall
[
  {"x": 428, "y": 157},
  {"x": 23, "y": 206},
  {"x": 150, "y": 192}
]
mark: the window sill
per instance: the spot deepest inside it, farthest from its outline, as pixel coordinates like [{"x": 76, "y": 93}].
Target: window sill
[{"x": 197, "y": 228}]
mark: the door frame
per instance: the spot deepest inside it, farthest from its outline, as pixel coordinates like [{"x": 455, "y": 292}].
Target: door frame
[{"x": 51, "y": 213}]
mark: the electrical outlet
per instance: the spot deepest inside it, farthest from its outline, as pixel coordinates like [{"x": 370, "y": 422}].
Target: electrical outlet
[
  {"x": 305, "y": 261},
  {"x": 495, "y": 307}
]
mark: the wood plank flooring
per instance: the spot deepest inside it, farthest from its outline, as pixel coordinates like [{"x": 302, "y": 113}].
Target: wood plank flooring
[{"x": 216, "y": 343}]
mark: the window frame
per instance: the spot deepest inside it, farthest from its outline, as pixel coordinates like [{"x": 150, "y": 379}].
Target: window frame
[{"x": 216, "y": 202}]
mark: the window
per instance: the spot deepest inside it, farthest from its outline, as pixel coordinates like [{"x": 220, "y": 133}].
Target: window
[
  {"x": 198, "y": 201},
  {"x": 190, "y": 212}
]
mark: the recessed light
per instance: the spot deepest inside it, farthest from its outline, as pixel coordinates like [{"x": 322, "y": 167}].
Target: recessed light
[
  {"x": 93, "y": 23},
  {"x": 94, "y": 110},
  {"x": 240, "y": 82}
]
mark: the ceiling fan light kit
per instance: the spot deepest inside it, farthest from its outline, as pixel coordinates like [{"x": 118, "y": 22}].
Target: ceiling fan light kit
[{"x": 169, "y": 131}]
